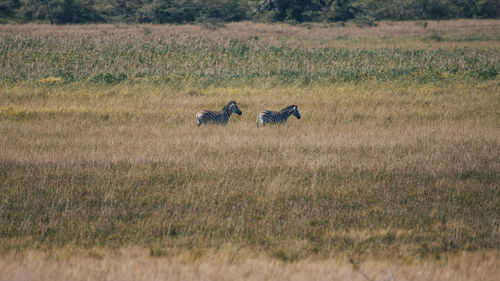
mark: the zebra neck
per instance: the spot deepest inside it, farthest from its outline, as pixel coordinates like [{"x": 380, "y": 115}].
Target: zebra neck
[
  {"x": 227, "y": 112},
  {"x": 287, "y": 114}
]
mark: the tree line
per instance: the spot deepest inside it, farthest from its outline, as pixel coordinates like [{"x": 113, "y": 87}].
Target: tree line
[{"x": 291, "y": 11}]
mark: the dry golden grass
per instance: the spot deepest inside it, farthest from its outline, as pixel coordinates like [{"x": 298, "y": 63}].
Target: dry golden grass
[
  {"x": 465, "y": 33},
  {"x": 137, "y": 265},
  {"x": 362, "y": 165},
  {"x": 140, "y": 124},
  {"x": 113, "y": 180},
  {"x": 277, "y": 30}
]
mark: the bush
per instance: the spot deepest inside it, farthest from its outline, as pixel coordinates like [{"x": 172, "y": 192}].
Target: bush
[
  {"x": 181, "y": 11},
  {"x": 108, "y": 78}
]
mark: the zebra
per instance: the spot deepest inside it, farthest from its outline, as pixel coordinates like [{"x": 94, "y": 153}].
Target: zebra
[
  {"x": 279, "y": 117},
  {"x": 217, "y": 117}
]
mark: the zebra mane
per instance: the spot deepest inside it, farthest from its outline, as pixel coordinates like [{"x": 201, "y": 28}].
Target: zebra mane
[
  {"x": 227, "y": 106},
  {"x": 288, "y": 108}
]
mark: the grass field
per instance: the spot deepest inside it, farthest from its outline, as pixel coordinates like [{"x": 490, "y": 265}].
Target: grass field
[{"x": 392, "y": 172}]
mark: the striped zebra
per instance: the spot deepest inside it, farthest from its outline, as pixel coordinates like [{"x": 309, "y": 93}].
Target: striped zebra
[
  {"x": 217, "y": 117},
  {"x": 278, "y": 117}
]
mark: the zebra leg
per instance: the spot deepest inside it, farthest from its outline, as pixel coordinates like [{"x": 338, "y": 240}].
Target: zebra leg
[{"x": 198, "y": 122}]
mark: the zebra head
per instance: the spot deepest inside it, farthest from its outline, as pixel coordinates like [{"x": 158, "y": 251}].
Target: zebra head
[
  {"x": 295, "y": 111},
  {"x": 234, "y": 108}
]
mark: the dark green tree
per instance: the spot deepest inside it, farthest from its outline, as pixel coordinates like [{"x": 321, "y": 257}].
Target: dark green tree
[
  {"x": 123, "y": 10},
  {"x": 9, "y": 8},
  {"x": 182, "y": 11},
  {"x": 224, "y": 10},
  {"x": 342, "y": 10},
  {"x": 489, "y": 8},
  {"x": 295, "y": 10},
  {"x": 34, "y": 10},
  {"x": 60, "y": 11},
  {"x": 170, "y": 11}
]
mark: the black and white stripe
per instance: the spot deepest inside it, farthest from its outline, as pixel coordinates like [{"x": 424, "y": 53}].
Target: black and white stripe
[
  {"x": 217, "y": 117},
  {"x": 277, "y": 117}
]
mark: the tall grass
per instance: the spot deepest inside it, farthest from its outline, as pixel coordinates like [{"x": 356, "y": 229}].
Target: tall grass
[
  {"x": 363, "y": 172},
  {"x": 181, "y": 61},
  {"x": 203, "y": 63},
  {"x": 396, "y": 156},
  {"x": 224, "y": 264}
]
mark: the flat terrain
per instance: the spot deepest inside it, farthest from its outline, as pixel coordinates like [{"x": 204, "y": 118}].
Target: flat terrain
[{"x": 392, "y": 173}]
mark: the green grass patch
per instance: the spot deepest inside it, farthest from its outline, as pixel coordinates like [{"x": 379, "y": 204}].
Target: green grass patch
[{"x": 231, "y": 62}]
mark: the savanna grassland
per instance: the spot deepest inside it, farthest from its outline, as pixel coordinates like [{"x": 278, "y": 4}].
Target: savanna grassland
[{"x": 392, "y": 173}]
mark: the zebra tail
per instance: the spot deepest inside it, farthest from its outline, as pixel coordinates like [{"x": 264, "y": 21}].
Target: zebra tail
[
  {"x": 257, "y": 121},
  {"x": 198, "y": 121}
]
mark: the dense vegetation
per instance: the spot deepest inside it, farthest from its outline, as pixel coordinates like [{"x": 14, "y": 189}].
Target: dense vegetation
[
  {"x": 182, "y": 11},
  {"x": 397, "y": 153},
  {"x": 203, "y": 61}
]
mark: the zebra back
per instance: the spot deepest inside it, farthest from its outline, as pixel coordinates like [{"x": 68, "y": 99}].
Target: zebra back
[
  {"x": 277, "y": 117},
  {"x": 217, "y": 117}
]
